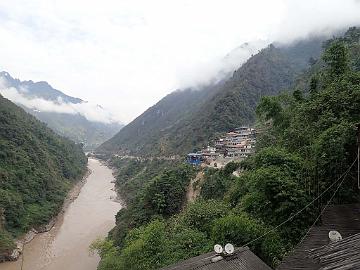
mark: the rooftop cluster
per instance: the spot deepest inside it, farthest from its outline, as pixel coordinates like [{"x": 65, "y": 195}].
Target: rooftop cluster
[{"x": 234, "y": 145}]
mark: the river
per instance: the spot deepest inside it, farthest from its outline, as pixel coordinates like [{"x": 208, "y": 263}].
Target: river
[{"x": 90, "y": 216}]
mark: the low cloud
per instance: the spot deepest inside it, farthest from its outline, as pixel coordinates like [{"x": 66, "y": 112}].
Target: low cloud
[
  {"x": 302, "y": 19},
  {"x": 128, "y": 54},
  {"x": 217, "y": 69},
  {"x": 295, "y": 20},
  {"x": 91, "y": 112}
]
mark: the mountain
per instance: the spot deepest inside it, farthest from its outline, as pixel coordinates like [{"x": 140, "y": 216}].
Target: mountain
[
  {"x": 150, "y": 129},
  {"x": 37, "y": 168},
  {"x": 67, "y": 115},
  {"x": 188, "y": 119}
]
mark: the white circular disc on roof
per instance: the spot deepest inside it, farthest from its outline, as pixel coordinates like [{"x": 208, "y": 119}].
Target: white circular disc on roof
[
  {"x": 335, "y": 236},
  {"x": 229, "y": 248},
  {"x": 218, "y": 249}
]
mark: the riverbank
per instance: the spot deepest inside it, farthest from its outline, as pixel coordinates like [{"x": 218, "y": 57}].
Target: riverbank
[
  {"x": 20, "y": 243},
  {"x": 115, "y": 173},
  {"x": 89, "y": 214}
]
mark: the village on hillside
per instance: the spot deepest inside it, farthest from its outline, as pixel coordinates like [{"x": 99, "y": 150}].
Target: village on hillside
[{"x": 235, "y": 145}]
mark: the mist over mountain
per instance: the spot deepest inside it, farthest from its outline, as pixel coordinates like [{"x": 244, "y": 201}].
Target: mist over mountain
[
  {"x": 189, "y": 119},
  {"x": 220, "y": 68},
  {"x": 71, "y": 117}
]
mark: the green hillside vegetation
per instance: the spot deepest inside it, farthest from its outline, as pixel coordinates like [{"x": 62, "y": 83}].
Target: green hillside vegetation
[
  {"x": 185, "y": 120},
  {"x": 37, "y": 168},
  {"x": 308, "y": 142},
  {"x": 149, "y": 188}
]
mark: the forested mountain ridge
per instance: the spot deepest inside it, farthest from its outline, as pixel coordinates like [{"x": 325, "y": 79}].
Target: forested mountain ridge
[
  {"x": 149, "y": 131},
  {"x": 37, "y": 168},
  {"x": 74, "y": 126},
  {"x": 213, "y": 109}
]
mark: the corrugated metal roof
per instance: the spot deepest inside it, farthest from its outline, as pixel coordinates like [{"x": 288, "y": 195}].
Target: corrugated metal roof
[
  {"x": 242, "y": 259},
  {"x": 340, "y": 255},
  {"x": 342, "y": 218}
]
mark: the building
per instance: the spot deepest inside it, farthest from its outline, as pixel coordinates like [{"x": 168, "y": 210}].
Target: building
[
  {"x": 342, "y": 254},
  {"x": 241, "y": 259},
  {"x": 209, "y": 153},
  {"x": 194, "y": 158},
  {"x": 220, "y": 146},
  {"x": 310, "y": 254},
  {"x": 234, "y": 145},
  {"x": 244, "y": 133},
  {"x": 239, "y": 151},
  {"x": 238, "y": 144}
]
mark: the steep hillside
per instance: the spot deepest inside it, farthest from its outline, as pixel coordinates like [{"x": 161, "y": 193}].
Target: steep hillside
[
  {"x": 149, "y": 131},
  {"x": 37, "y": 167},
  {"x": 185, "y": 120},
  {"x": 58, "y": 110}
]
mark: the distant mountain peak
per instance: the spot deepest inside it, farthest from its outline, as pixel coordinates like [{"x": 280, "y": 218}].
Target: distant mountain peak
[
  {"x": 41, "y": 89},
  {"x": 69, "y": 116},
  {"x": 4, "y": 74}
]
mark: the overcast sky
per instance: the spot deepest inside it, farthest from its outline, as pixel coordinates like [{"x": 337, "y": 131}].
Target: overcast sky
[{"x": 127, "y": 54}]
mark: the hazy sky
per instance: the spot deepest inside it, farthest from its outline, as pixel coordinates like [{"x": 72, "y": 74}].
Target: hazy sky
[{"x": 127, "y": 54}]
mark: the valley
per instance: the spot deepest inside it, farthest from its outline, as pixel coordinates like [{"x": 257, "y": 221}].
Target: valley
[{"x": 248, "y": 159}]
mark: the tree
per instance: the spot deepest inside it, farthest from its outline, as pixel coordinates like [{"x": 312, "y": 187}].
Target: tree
[
  {"x": 144, "y": 247},
  {"x": 313, "y": 84},
  {"x": 298, "y": 95},
  {"x": 270, "y": 108},
  {"x": 337, "y": 59}
]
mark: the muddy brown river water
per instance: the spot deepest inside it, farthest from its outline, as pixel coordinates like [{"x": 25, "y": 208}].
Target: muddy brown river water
[{"x": 90, "y": 216}]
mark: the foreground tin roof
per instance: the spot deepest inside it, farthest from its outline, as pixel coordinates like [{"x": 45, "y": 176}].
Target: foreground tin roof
[
  {"x": 242, "y": 259},
  {"x": 343, "y": 218},
  {"x": 340, "y": 255}
]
